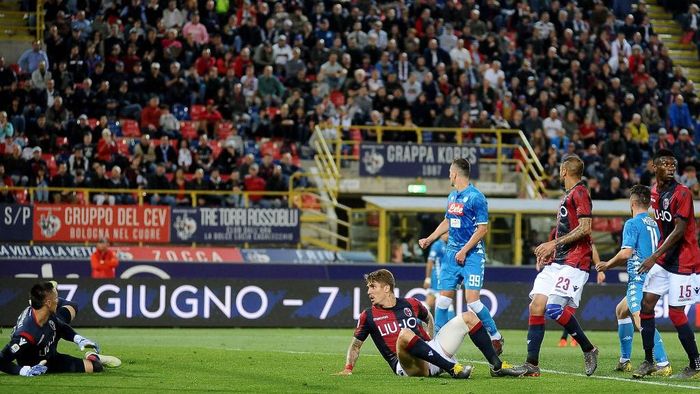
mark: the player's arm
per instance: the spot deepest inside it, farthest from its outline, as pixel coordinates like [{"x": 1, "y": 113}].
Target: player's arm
[
  {"x": 352, "y": 356},
  {"x": 478, "y": 235},
  {"x": 429, "y": 325},
  {"x": 672, "y": 239},
  {"x": 16, "y": 348},
  {"x": 619, "y": 259},
  {"x": 68, "y": 333},
  {"x": 442, "y": 228},
  {"x": 582, "y": 230}
]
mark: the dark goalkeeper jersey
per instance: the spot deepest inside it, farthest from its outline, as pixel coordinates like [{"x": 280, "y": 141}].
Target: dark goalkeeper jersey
[{"x": 384, "y": 325}]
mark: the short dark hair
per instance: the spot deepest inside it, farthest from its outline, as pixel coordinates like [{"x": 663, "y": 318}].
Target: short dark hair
[
  {"x": 38, "y": 293},
  {"x": 463, "y": 165},
  {"x": 641, "y": 195},
  {"x": 663, "y": 153},
  {"x": 382, "y": 276}
]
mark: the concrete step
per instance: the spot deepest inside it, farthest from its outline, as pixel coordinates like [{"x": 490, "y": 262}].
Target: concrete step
[
  {"x": 678, "y": 46},
  {"x": 690, "y": 63},
  {"x": 683, "y": 54},
  {"x": 657, "y": 15},
  {"x": 663, "y": 22},
  {"x": 675, "y": 30}
]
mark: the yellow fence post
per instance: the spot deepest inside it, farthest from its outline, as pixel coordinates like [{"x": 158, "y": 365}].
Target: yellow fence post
[
  {"x": 518, "y": 244},
  {"x": 382, "y": 243}
]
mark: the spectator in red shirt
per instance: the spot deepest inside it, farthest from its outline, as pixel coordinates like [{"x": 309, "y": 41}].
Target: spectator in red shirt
[
  {"x": 242, "y": 61},
  {"x": 212, "y": 117},
  {"x": 106, "y": 147},
  {"x": 205, "y": 62},
  {"x": 104, "y": 261},
  {"x": 150, "y": 116},
  {"x": 254, "y": 183}
]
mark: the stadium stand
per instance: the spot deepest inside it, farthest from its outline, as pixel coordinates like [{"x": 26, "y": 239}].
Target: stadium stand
[{"x": 590, "y": 77}]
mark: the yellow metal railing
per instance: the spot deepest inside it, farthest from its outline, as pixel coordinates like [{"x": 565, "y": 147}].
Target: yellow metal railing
[
  {"x": 40, "y": 23},
  {"x": 528, "y": 164}
]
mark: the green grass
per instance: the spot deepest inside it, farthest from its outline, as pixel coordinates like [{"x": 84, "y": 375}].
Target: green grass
[{"x": 305, "y": 360}]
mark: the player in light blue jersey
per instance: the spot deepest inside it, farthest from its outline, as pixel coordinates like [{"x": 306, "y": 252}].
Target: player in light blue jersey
[
  {"x": 432, "y": 274},
  {"x": 466, "y": 221},
  {"x": 640, "y": 237}
]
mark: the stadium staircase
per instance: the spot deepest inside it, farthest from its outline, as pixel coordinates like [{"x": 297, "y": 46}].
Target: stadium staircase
[
  {"x": 670, "y": 33},
  {"x": 18, "y": 28}
]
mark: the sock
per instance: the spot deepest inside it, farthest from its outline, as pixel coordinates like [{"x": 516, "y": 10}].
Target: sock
[
  {"x": 96, "y": 363},
  {"x": 568, "y": 321},
  {"x": 685, "y": 334},
  {"x": 564, "y": 334},
  {"x": 485, "y": 317},
  {"x": 441, "y": 317},
  {"x": 418, "y": 348},
  {"x": 451, "y": 312},
  {"x": 648, "y": 329},
  {"x": 659, "y": 350},
  {"x": 625, "y": 330},
  {"x": 535, "y": 335},
  {"x": 482, "y": 340}
]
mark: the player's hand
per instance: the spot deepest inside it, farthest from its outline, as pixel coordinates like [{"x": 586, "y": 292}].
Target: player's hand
[
  {"x": 85, "y": 343},
  {"x": 36, "y": 370},
  {"x": 427, "y": 283},
  {"x": 545, "y": 250},
  {"x": 646, "y": 264},
  {"x": 602, "y": 266},
  {"x": 461, "y": 256},
  {"x": 423, "y": 243},
  {"x": 601, "y": 278}
]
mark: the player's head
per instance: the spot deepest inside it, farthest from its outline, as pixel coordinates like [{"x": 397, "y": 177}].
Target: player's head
[
  {"x": 571, "y": 167},
  {"x": 460, "y": 169},
  {"x": 640, "y": 197},
  {"x": 380, "y": 286},
  {"x": 44, "y": 294},
  {"x": 665, "y": 165}
]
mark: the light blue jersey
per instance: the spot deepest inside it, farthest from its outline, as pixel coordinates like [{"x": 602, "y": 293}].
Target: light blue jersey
[
  {"x": 640, "y": 234},
  {"x": 466, "y": 209}
]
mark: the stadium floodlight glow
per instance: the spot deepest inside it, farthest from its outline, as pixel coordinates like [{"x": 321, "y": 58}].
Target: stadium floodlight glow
[{"x": 417, "y": 188}]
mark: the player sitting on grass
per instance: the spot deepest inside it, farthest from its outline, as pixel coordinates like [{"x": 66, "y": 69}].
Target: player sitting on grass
[
  {"x": 399, "y": 328},
  {"x": 35, "y": 339},
  {"x": 640, "y": 237}
]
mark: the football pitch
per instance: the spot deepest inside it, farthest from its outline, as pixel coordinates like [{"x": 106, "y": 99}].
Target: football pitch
[{"x": 305, "y": 360}]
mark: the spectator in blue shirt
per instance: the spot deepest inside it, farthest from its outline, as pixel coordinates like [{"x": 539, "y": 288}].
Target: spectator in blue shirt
[
  {"x": 29, "y": 61},
  {"x": 679, "y": 115}
]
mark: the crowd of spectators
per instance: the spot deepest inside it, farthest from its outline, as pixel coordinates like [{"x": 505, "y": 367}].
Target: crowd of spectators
[{"x": 588, "y": 77}]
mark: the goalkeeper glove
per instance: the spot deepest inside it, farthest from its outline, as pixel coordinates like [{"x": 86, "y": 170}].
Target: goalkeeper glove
[
  {"x": 36, "y": 370},
  {"x": 85, "y": 343}
]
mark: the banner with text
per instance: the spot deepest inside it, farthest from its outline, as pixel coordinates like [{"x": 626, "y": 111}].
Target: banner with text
[
  {"x": 16, "y": 222},
  {"x": 281, "y": 303},
  {"x": 119, "y": 223},
  {"x": 235, "y": 225},
  {"x": 395, "y": 159}
]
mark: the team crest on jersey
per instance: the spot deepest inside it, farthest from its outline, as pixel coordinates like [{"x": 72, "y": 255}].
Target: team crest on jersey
[
  {"x": 14, "y": 348},
  {"x": 408, "y": 312},
  {"x": 455, "y": 208},
  {"x": 665, "y": 203}
]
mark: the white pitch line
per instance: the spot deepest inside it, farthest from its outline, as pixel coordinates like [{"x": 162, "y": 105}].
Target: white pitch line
[{"x": 626, "y": 380}]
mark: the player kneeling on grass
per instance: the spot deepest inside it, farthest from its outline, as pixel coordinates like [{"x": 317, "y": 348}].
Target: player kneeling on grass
[
  {"x": 640, "y": 237},
  {"x": 399, "y": 328},
  {"x": 35, "y": 339}
]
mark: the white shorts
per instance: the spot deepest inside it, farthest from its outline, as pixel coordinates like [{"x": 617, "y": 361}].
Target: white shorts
[
  {"x": 433, "y": 370},
  {"x": 562, "y": 280},
  {"x": 680, "y": 288}
]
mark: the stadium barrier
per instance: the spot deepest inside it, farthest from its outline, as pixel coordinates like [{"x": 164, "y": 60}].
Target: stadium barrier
[{"x": 279, "y": 303}]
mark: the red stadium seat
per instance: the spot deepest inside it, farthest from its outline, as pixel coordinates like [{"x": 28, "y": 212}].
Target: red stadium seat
[
  {"x": 92, "y": 122},
  {"x": 188, "y": 129},
  {"x": 224, "y": 130},
  {"x": 197, "y": 112},
  {"x": 130, "y": 128},
  {"x": 215, "y": 148},
  {"x": 16, "y": 68},
  {"x": 60, "y": 141},
  {"x": 50, "y": 163},
  {"x": 272, "y": 111},
  {"x": 123, "y": 145}
]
